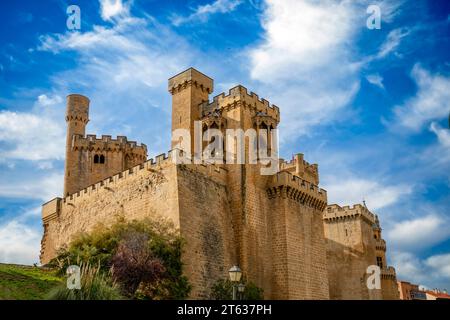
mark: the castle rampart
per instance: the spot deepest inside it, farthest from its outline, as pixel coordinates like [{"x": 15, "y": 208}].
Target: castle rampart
[
  {"x": 289, "y": 185},
  {"x": 335, "y": 212}
]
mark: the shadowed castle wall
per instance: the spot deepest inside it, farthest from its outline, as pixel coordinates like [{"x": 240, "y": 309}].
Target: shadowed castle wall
[{"x": 353, "y": 238}]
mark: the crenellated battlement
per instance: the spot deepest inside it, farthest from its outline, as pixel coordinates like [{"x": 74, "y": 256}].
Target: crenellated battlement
[
  {"x": 212, "y": 171},
  {"x": 240, "y": 94},
  {"x": 190, "y": 77},
  {"x": 380, "y": 244},
  {"x": 289, "y": 185},
  {"x": 388, "y": 273},
  {"x": 298, "y": 166},
  {"x": 109, "y": 183},
  {"x": 107, "y": 143},
  {"x": 336, "y": 212}
]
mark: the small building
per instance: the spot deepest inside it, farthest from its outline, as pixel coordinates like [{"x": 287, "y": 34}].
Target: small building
[{"x": 437, "y": 294}]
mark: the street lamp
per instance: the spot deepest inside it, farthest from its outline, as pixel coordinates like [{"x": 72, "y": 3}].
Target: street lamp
[
  {"x": 241, "y": 289},
  {"x": 235, "y": 276}
]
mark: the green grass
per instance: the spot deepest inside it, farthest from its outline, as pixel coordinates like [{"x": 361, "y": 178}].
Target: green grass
[{"x": 19, "y": 282}]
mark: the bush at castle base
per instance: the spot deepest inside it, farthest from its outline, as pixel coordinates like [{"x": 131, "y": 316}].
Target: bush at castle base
[
  {"x": 143, "y": 257},
  {"x": 223, "y": 290},
  {"x": 95, "y": 285}
]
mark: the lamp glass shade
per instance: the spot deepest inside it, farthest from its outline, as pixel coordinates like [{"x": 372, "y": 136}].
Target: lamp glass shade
[
  {"x": 235, "y": 274},
  {"x": 241, "y": 287}
]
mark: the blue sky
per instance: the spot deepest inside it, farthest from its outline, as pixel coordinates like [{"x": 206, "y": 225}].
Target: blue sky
[{"x": 370, "y": 107}]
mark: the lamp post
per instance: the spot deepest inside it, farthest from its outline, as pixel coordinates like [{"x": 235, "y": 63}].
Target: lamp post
[
  {"x": 241, "y": 289},
  {"x": 235, "y": 276}
]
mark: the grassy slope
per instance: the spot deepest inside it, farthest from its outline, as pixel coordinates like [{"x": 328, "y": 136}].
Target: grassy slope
[{"x": 25, "y": 282}]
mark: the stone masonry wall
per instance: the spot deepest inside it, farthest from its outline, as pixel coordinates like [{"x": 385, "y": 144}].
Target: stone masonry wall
[{"x": 132, "y": 196}]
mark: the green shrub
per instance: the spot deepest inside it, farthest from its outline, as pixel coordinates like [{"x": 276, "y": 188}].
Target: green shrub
[
  {"x": 223, "y": 290},
  {"x": 95, "y": 285},
  {"x": 162, "y": 243}
]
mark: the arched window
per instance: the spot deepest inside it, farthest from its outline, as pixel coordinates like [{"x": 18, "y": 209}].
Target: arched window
[{"x": 99, "y": 158}]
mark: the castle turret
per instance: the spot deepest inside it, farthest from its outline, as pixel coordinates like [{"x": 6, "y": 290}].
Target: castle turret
[
  {"x": 189, "y": 89},
  {"x": 77, "y": 116},
  {"x": 90, "y": 159}
]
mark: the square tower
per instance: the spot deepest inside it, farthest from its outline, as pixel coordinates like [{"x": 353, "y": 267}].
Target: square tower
[{"x": 189, "y": 89}]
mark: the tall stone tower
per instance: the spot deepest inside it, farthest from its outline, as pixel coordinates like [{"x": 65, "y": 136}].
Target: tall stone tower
[
  {"x": 189, "y": 89},
  {"x": 90, "y": 159},
  {"x": 77, "y": 116}
]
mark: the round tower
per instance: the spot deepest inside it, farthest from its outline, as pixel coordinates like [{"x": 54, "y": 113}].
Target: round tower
[{"x": 77, "y": 116}]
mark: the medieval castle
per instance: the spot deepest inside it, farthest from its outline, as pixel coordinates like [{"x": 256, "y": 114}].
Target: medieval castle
[{"x": 278, "y": 228}]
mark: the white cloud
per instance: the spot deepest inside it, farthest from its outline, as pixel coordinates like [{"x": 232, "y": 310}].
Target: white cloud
[
  {"x": 45, "y": 100},
  {"x": 123, "y": 69},
  {"x": 354, "y": 190},
  {"x": 204, "y": 11},
  {"x": 29, "y": 186},
  {"x": 31, "y": 136},
  {"x": 19, "y": 243},
  {"x": 431, "y": 272},
  {"x": 110, "y": 9},
  {"x": 408, "y": 267},
  {"x": 304, "y": 63},
  {"x": 390, "y": 9},
  {"x": 431, "y": 102},
  {"x": 300, "y": 36},
  {"x": 441, "y": 263},
  {"x": 443, "y": 134},
  {"x": 134, "y": 53},
  {"x": 376, "y": 80},
  {"x": 419, "y": 233},
  {"x": 392, "y": 42}
]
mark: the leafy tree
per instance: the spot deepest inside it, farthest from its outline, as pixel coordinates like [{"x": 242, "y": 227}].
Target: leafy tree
[{"x": 134, "y": 263}]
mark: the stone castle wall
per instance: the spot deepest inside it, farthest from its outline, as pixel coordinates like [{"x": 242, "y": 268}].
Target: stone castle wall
[
  {"x": 352, "y": 247},
  {"x": 193, "y": 198}
]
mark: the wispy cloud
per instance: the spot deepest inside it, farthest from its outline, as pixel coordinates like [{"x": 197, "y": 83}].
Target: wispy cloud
[
  {"x": 203, "y": 12},
  {"x": 431, "y": 272},
  {"x": 349, "y": 191},
  {"x": 34, "y": 135},
  {"x": 376, "y": 80},
  {"x": 392, "y": 42},
  {"x": 431, "y": 102},
  {"x": 44, "y": 186},
  {"x": 296, "y": 62},
  {"x": 390, "y": 9},
  {"x": 419, "y": 233},
  {"x": 440, "y": 263},
  {"x": 126, "y": 64},
  {"x": 110, "y": 9},
  {"x": 19, "y": 243},
  {"x": 443, "y": 134}
]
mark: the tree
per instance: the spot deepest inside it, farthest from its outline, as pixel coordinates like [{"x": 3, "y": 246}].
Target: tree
[{"x": 135, "y": 263}]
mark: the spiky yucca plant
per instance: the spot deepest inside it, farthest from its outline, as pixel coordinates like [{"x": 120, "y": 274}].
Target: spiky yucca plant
[{"x": 95, "y": 285}]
